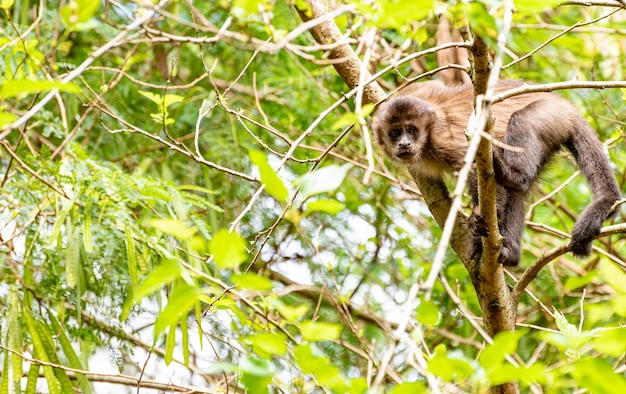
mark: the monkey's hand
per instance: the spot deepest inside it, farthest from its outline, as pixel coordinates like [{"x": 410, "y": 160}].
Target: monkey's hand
[{"x": 477, "y": 224}]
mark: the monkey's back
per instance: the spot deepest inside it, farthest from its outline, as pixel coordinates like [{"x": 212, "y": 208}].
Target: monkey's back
[{"x": 455, "y": 104}]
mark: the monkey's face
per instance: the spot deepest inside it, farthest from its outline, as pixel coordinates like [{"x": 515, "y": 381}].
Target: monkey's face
[{"x": 402, "y": 128}]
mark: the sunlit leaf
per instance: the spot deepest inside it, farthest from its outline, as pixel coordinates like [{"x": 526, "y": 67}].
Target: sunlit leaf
[
  {"x": 346, "y": 119},
  {"x": 399, "y": 14},
  {"x": 613, "y": 275},
  {"x": 162, "y": 101},
  {"x": 320, "y": 331},
  {"x": 255, "y": 366},
  {"x": 72, "y": 257},
  {"x": 291, "y": 313},
  {"x": 174, "y": 227},
  {"x": 449, "y": 367},
  {"x": 611, "y": 342},
  {"x": 427, "y": 313},
  {"x": 77, "y": 13},
  {"x": 273, "y": 184},
  {"x": 70, "y": 353},
  {"x": 170, "y": 342},
  {"x": 23, "y": 87},
  {"x": 179, "y": 303},
  {"x": 598, "y": 376},
  {"x": 409, "y": 388},
  {"x": 534, "y": 6},
  {"x": 7, "y": 118},
  {"x": 257, "y": 374},
  {"x": 6, "y": 4},
  {"x": 163, "y": 274},
  {"x": 329, "y": 206},
  {"x": 323, "y": 180},
  {"x": 504, "y": 344},
  {"x": 313, "y": 361},
  {"x": 228, "y": 249},
  {"x": 252, "y": 281},
  {"x": 87, "y": 239},
  {"x": 267, "y": 344}
]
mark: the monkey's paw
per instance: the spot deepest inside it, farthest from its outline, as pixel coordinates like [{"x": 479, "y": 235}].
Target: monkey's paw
[{"x": 478, "y": 226}]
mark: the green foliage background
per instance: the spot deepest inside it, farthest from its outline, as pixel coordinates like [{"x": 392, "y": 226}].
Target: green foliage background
[{"x": 150, "y": 208}]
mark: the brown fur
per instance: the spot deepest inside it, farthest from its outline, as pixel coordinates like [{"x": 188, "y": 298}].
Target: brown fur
[{"x": 424, "y": 127}]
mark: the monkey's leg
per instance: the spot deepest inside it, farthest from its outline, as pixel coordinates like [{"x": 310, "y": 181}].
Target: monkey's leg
[
  {"x": 511, "y": 223},
  {"x": 518, "y": 167},
  {"x": 476, "y": 223},
  {"x": 510, "y": 208}
]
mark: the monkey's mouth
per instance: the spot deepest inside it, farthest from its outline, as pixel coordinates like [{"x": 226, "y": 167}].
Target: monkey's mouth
[{"x": 405, "y": 155}]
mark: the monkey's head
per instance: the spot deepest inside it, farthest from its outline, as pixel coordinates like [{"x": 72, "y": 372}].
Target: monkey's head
[{"x": 402, "y": 127}]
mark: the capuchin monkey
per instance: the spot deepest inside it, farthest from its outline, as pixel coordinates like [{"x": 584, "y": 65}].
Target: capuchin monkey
[{"x": 424, "y": 126}]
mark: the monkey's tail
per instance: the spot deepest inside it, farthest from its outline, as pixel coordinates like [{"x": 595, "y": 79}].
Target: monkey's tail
[{"x": 594, "y": 165}]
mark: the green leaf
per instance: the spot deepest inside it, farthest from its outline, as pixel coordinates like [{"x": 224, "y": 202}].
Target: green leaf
[
  {"x": 328, "y": 206},
  {"x": 170, "y": 99},
  {"x": 164, "y": 273},
  {"x": 162, "y": 102},
  {"x": 273, "y": 184},
  {"x": 252, "y": 281},
  {"x": 291, "y": 313},
  {"x": 7, "y": 373},
  {"x": 323, "y": 180},
  {"x": 613, "y": 276},
  {"x": 6, "y": 4},
  {"x": 228, "y": 249},
  {"x": 72, "y": 257},
  {"x": 618, "y": 304},
  {"x": 399, "y": 14},
  {"x": 598, "y": 376},
  {"x": 409, "y": 388},
  {"x": 130, "y": 254},
  {"x": 312, "y": 361},
  {"x": 427, "y": 313},
  {"x": 319, "y": 331},
  {"x": 611, "y": 342},
  {"x": 7, "y": 118},
  {"x": 70, "y": 353},
  {"x": 267, "y": 344},
  {"x": 179, "y": 303},
  {"x": 256, "y": 374},
  {"x": 77, "y": 13},
  {"x": 534, "y": 6},
  {"x": 575, "y": 337},
  {"x": 247, "y": 6},
  {"x": 449, "y": 368},
  {"x": 60, "y": 219},
  {"x": 32, "y": 379},
  {"x": 184, "y": 332},
  {"x": 504, "y": 344},
  {"x": 170, "y": 342},
  {"x": 23, "y": 87},
  {"x": 174, "y": 227},
  {"x": 87, "y": 239},
  {"x": 346, "y": 119},
  {"x": 253, "y": 365},
  {"x": 38, "y": 336}
]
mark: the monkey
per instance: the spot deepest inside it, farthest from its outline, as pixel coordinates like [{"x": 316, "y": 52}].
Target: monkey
[{"x": 423, "y": 127}]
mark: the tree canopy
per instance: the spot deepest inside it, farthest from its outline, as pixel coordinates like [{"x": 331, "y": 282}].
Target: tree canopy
[{"x": 191, "y": 201}]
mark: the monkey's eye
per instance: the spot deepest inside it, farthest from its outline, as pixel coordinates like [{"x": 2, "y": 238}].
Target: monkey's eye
[
  {"x": 395, "y": 133},
  {"x": 412, "y": 130}
]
